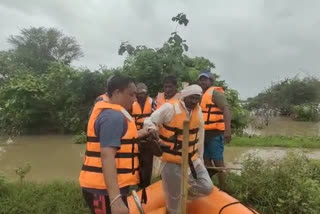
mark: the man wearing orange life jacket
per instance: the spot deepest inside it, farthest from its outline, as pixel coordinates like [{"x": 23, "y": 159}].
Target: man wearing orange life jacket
[
  {"x": 217, "y": 121},
  {"x": 104, "y": 96},
  {"x": 111, "y": 159},
  {"x": 168, "y": 120},
  {"x": 143, "y": 106},
  {"x": 170, "y": 86}
]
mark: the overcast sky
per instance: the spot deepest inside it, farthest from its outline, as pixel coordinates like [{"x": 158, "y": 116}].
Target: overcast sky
[{"x": 251, "y": 42}]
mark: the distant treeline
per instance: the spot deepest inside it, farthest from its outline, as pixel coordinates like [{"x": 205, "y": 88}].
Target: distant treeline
[
  {"x": 295, "y": 97},
  {"x": 41, "y": 92}
]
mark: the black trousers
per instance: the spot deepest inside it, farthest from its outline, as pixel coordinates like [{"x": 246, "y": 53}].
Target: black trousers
[{"x": 99, "y": 204}]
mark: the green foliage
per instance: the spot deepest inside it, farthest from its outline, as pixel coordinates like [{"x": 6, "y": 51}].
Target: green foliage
[
  {"x": 151, "y": 65},
  {"x": 80, "y": 138},
  {"x": 40, "y": 92},
  {"x": 22, "y": 171},
  {"x": 57, "y": 101},
  {"x": 8, "y": 66},
  {"x": 306, "y": 112},
  {"x": 3, "y": 185},
  {"x": 36, "y": 198},
  {"x": 21, "y": 104},
  {"x": 291, "y": 185},
  {"x": 37, "y": 47},
  {"x": 284, "y": 95},
  {"x": 240, "y": 116},
  {"x": 181, "y": 18}
]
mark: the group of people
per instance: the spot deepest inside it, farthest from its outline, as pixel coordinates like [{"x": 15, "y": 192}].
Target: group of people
[{"x": 126, "y": 114}]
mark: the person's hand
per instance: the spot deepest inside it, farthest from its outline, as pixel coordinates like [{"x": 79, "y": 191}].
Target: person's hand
[
  {"x": 227, "y": 137},
  {"x": 118, "y": 207},
  {"x": 142, "y": 133},
  {"x": 153, "y": 133}
]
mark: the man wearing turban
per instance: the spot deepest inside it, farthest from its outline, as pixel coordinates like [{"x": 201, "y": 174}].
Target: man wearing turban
[{"x": 168, "y": 121}]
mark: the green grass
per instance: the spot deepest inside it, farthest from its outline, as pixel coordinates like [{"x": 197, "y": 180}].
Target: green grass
[
  {"x": 290, "y": 185},
  {"x": 38, "y": 198},
  {"x": 277, "y": 141}
]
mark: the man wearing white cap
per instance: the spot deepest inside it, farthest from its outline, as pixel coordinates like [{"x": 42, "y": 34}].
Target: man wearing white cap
[
  {"x": 168, "y": 120},
  {"x": 217, "y": 120}
]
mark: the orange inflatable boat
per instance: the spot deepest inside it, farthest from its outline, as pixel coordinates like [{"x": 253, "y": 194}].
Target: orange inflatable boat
[{"x": 218, "y": 202}]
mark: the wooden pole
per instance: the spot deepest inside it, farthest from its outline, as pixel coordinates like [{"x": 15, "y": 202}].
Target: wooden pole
[
  {"x": 184, "y": 167},
  {"x": 223, "y": 168}
]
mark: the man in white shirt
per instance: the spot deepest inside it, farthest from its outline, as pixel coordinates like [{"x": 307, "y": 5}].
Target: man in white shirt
[{"x": 168, "y": 120}]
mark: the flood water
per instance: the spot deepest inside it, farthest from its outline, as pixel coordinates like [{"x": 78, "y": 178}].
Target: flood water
[
  {"x": 55, "y": 157},
  {"x": 51, "y": 157},
  {"x": 285, "y": 126}
]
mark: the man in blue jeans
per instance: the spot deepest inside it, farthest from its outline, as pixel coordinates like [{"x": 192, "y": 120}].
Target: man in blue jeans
[{"x": 217, "y": 119}]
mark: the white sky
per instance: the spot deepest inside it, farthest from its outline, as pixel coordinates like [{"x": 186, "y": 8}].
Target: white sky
[{"x": 251, "y": 42}]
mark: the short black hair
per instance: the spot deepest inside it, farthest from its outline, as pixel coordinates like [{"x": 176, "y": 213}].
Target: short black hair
[
  {"x": 118, "y": 82},
  {"x": 171, "y": 79}
]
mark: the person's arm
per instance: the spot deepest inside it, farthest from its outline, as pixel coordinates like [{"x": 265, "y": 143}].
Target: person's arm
[
  {"x": 220, "y": 100},
  {"x": 111, "y": 179},
  {"x": 227, "y": 122},
  {"x": 161, "y": 116},
  {"x": 110, "y": 142}
]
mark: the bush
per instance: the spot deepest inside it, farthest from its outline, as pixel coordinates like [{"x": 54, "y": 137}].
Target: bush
[
  {"x": 307, "y": 112},
  {"x": 281, "y": 96},
  {"x": 290, "y": 185},
  {"x": 28, "y": 197},
  {"x": 240, "y": 116},
  {"x": 80, "y": 138}
]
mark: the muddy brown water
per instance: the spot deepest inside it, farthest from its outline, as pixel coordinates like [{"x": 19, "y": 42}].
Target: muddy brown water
[
  {"x": 54, "y": 157},
  {"x": 285, "y": 126}
]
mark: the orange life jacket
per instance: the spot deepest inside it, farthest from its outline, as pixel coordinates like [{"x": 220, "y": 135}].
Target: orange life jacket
[
  {"x": 104, "y": 97},
  {"x": 212, "y": 115},
  {"x": 139, "y": 114},
  {"x": 126, "y": 158},
  {"x": 171, "y": 134},
  {"x": 162, "y": 100}
]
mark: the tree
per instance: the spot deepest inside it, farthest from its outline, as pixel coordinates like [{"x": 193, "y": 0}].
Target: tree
[
  {"x": 151, "y": 65},
  {"x": 286, "y": 94},
  {"x": 37, "y": 47}
]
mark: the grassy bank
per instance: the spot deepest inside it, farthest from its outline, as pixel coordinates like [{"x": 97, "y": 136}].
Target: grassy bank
[
  {"x": 35, "y": 198},
  {"x": 277, "y": 141},
  {"x": 291, "y": 185}
]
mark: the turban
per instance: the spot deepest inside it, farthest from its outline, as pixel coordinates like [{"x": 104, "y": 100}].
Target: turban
[{"x": 191, "y": 90}]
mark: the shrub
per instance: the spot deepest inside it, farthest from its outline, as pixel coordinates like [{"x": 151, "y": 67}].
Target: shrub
[
  {"x": 307, "y": 112},
  {"x": 290, "y": 185},
  {"x": 35, "y": 198}
]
